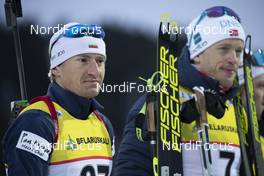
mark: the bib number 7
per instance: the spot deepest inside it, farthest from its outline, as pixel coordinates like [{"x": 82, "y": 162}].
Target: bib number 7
[{"x": 230, "y": 156}]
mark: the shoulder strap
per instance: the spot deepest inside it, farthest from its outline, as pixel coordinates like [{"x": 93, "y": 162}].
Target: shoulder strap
[
  {"x": 52, "y": 111},
  {"x": 100, "y": 118}
]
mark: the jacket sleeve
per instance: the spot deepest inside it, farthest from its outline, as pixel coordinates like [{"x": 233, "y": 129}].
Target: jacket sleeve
[
  {"x": 134, "y": 157},
  {"x": 27, "y": 144}
]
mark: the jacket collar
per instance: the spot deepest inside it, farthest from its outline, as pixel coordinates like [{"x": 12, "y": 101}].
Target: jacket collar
[{"x": 77, "y": 106}]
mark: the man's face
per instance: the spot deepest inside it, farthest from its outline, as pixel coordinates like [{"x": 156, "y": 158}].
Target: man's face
[
  {"x": 221, "y": 61},
  {"x": 81, "y": 74},
  {"x": 258, "y": 83}
]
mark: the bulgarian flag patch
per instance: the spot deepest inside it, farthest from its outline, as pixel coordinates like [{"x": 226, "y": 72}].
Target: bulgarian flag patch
[{"x": 92, "y": 46}]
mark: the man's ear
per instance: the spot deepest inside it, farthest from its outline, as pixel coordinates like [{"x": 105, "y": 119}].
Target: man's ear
[
  {"x": 55, "y": 71},
  {"x": 196, "y": 60}
]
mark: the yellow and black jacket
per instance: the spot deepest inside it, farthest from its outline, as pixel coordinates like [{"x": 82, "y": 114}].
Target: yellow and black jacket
[{"x": 84, "y": 144}]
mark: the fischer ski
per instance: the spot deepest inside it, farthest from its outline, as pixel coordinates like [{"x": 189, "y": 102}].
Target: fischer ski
[
  {"x": 169, "y": 154},
  {"x": 162, "y": 105},
  {"x": 241, "y": 119},
  {"x": 254, "y": 136}
]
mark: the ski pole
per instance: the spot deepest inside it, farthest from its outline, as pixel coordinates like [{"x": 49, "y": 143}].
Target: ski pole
[
  {"x": 202, "y": 130},
  {"x": 13, "y": 10},
  {"x": 151, "y": 114},
  {"x": 151, "y": 100}
]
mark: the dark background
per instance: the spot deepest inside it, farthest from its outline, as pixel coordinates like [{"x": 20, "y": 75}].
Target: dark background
[
  {"x": 130, "y": 55},
  {"x": 131, "y": 33}
]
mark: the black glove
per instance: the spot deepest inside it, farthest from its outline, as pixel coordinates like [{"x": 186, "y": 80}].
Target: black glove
[
  {"x": 214, "y": 105},
  {"x": 188, "y": 112}
]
